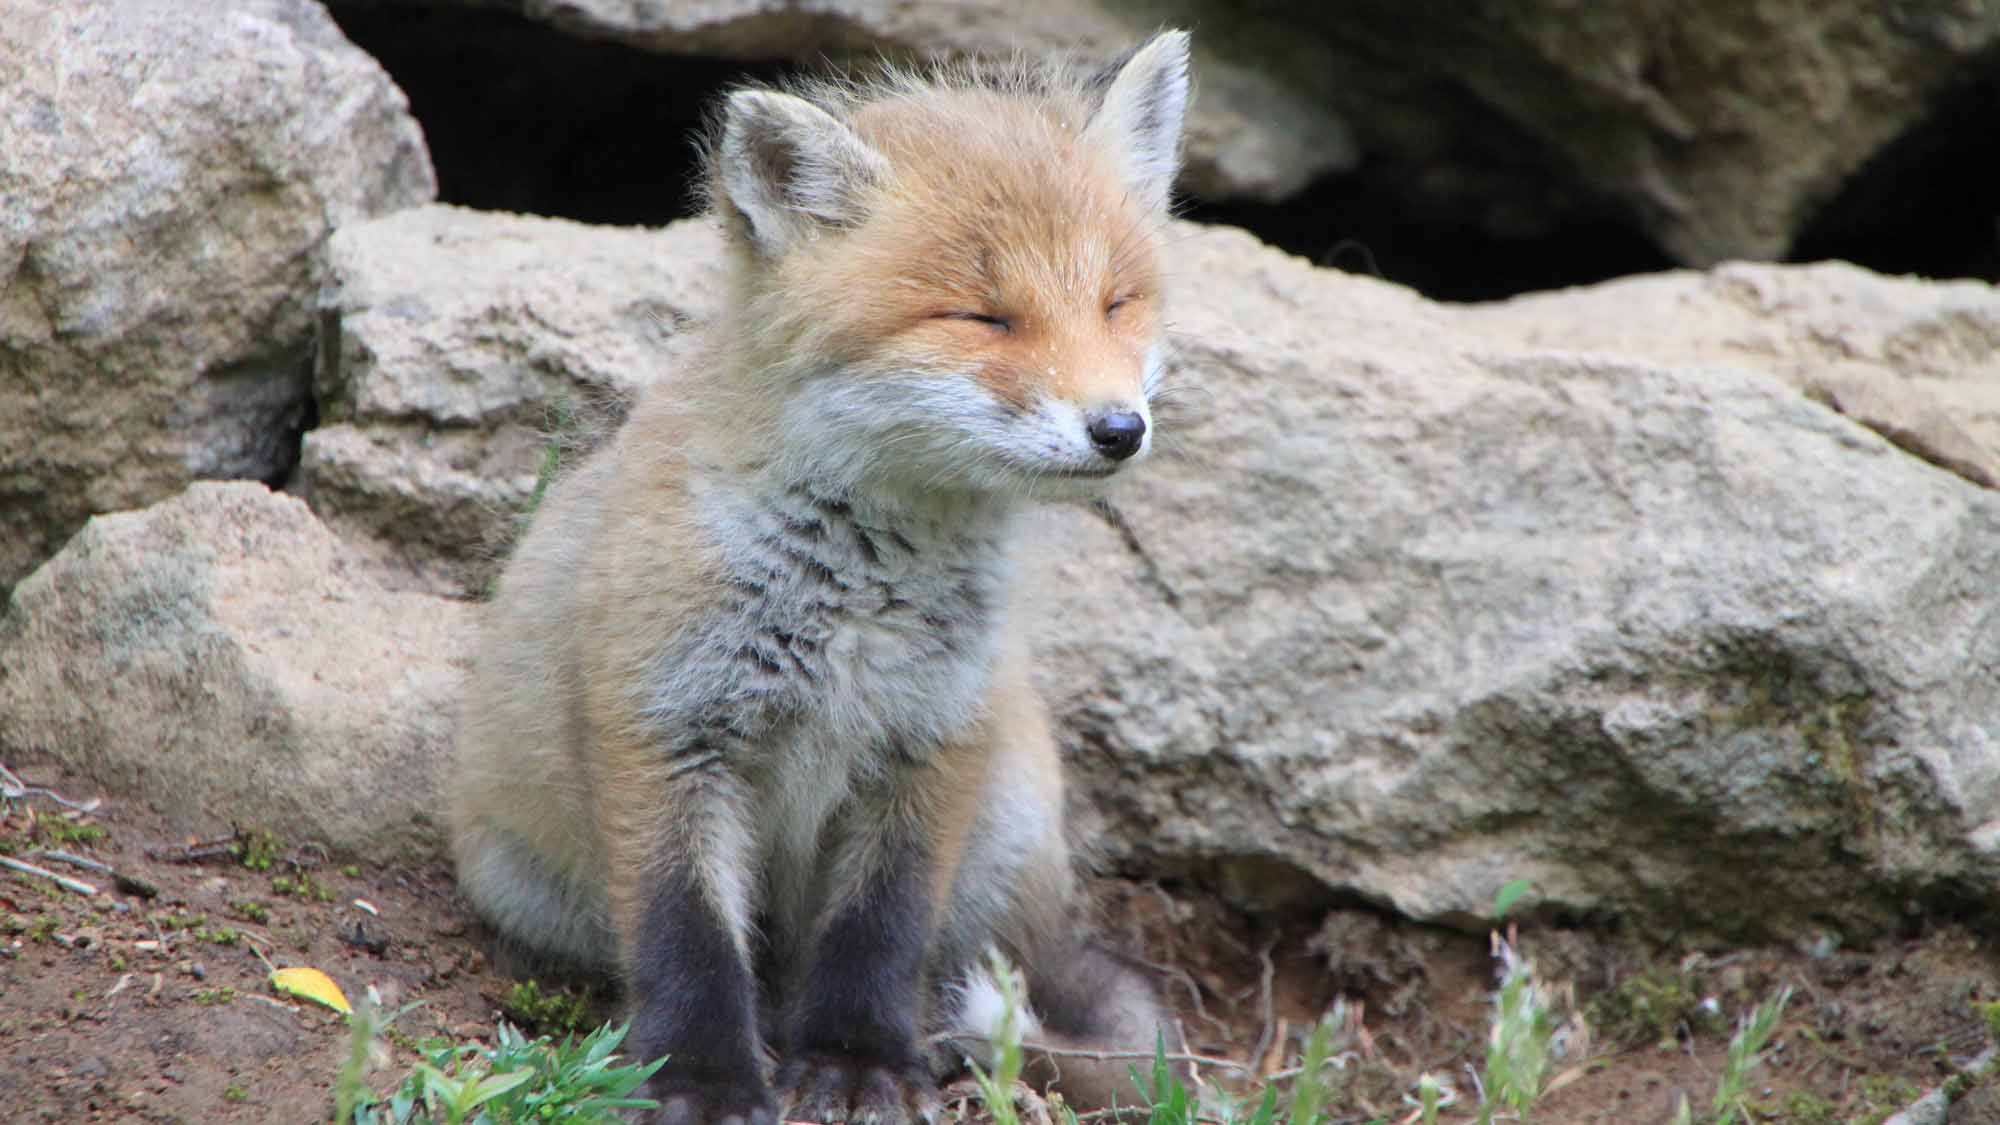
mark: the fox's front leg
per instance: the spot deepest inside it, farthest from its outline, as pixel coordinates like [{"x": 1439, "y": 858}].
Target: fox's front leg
[
  {"x": 681, "y": 894},
  {"x": 851, "y": 1051}
]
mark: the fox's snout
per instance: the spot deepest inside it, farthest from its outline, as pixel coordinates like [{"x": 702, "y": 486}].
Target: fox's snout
[{"x": 1117, "y": 435}]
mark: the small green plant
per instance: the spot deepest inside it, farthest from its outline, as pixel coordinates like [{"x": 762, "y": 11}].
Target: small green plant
[
  {"x": 580, "y": 1081},
  {"x": 1988, "y": 1012},
  {"x": 1657, "y": 1005},
  {"x": 252, "y": 911},
  {"x": 1506, "y": 897},
  {"x": 562, "y": 427},
  {"x": 1519, "y": 1044},
  {"x": 304, "y": 886},
  {"x": 1309, "y": 1091},
  {"x": 1430, "y": 1097},
  {"x": 1169, "y": 1101},
  {"x": 235, "y": 1093},
  {"x": 211, "y": 996},
  {"x": 526, "y": 1004},
  {"x": 256, "y": 849},
  {"x": 996, "y": 1088},
  {"x": 1163, "y": 1093},
  {"x": 1746, "y": 1047},
  {"x": 352, "y": 871},
  {"x": 64, "y": 833},
  {"x": 43, "y": 928},
  {"x": 1885, "y": 1093}
]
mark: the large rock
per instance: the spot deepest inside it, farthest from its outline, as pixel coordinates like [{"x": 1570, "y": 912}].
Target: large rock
[
  {"x": 456, "y": 346},
  {"x": 221, "y": 655},
  {"x": 1591, "y": 589},
  {"x": 1718, "y": 126},
  {"x": 166, "y": 183},
  {"x": 1435, "y": 598}
]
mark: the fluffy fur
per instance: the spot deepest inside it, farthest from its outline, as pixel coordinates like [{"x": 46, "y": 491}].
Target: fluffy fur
[{"x": 748, "y": 724}]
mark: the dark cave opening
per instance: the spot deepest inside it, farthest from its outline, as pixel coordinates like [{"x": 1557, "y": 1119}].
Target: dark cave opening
[
  {"x": 1928, "y": 203},
  {"x": 520, "y": 117},
  {"x": 1364, "y": 224}
]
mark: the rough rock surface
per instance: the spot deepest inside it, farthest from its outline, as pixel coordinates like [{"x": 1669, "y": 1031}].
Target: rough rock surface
[
  {"x": 1917, "y": 362},
  {"x": 221, "y": 655},
  {"x": 1718, "y": 126},
  {"x": 1423, "y": 599},
  {"x": 1432, "y": 601},
  {"x": 165, "y": 184},
  {"x": 456, "y": 345}
]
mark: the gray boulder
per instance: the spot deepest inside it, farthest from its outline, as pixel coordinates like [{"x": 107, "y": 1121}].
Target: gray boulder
[
  {"x": 456, "y": 346},
  {"x": 166, "y": 184},
  {"x": 222, "y": 656},
  {"x": 1436, "y": 598}
]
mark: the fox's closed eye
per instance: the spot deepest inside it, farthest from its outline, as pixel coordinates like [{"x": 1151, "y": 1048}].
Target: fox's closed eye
[{"x": 998, "y": 323}]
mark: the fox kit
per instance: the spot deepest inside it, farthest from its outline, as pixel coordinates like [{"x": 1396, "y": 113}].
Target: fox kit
[{"x": 750, "y": 724}]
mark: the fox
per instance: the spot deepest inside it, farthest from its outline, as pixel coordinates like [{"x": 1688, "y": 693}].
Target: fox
[{"x": 749, "y": 726}]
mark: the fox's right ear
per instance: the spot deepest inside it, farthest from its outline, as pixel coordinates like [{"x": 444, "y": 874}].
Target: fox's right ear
[{"x": 785, "y": 166}]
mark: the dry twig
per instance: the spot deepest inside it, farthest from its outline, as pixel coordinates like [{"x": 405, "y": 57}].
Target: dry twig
[
  {"x": 84, "y": 862},
  {"x": 65, "y": 882},
  {"x": 12, "y": 788}
]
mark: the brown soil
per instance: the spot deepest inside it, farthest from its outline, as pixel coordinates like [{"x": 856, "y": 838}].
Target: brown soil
[{"x": 120, "y": 1007}]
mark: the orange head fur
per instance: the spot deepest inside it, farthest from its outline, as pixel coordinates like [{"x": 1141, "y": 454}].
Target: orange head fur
[{"x": 951, "y": 280}]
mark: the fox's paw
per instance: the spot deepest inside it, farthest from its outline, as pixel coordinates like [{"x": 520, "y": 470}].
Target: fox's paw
[
  {"x": 826, "y": 1087},
  {"x": 686, "y": 1100}
]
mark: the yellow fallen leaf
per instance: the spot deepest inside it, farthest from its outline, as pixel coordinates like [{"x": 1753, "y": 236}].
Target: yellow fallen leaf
[{"x": 313, "y": 985}]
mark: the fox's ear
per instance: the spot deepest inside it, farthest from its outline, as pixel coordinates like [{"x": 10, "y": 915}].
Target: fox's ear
[
  {"x": 785, "y": 166},
  {"x": 1145, "y": 103}
]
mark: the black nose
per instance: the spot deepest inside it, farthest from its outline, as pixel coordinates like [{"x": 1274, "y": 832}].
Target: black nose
[{"x": 1117, "y": 436}]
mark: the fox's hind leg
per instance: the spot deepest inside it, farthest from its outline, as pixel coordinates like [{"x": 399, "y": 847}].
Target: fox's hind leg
[
  {"x": 1016, "y": 890},
  {"x": 1087, "y": 998}
]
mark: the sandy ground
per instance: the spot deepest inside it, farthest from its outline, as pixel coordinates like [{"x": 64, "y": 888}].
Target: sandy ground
[{"x": 122, "y": 1006}]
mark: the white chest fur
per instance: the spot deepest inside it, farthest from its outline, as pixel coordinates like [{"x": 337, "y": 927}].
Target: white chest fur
[{"x": 848, "y": 635}]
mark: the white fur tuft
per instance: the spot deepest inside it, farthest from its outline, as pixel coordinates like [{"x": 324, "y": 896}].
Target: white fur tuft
[{"x": 981, "y": 1007}]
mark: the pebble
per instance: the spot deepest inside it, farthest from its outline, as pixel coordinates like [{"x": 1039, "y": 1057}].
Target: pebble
[{"x": 91, "y": 1067}]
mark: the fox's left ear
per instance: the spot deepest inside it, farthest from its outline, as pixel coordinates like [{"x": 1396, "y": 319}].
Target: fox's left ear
[{"x": 1141, "y": 114}]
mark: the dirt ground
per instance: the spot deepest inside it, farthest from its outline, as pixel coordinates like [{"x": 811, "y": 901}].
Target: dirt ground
[{"x": 129, "y": 1006}]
